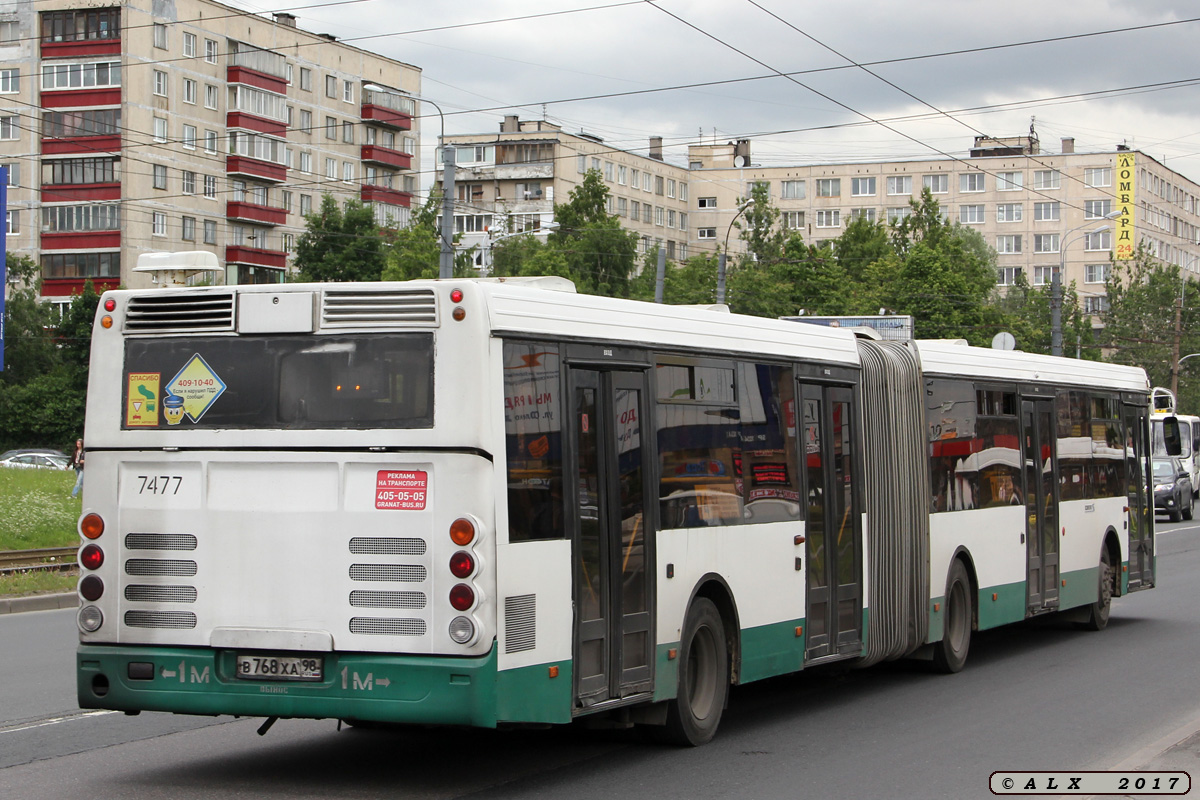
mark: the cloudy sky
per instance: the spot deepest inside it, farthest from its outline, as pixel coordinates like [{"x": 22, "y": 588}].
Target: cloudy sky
[{"x": 937, "y": 72}]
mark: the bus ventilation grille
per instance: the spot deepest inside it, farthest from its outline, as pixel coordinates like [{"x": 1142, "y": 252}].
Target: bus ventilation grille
[
  {"x": 404, "y": 308},
  {"x": 387, "y": 627},
  {"x": 160, "y": 541},
  {"x": 361, "y": 598},
  {"x": 208, "y": 311},
  {"x": 409, "y": 573},
  {"x": 520, "y": 623},
  {"x": 160, "y": 619},
  {"x": 153, "y": 566},
  {"x": 361, "y": 545},
  {"x": 160, "y": 594}
]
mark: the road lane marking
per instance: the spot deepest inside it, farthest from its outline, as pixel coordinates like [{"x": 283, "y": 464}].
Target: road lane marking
[{"x": 55, "y": 721}]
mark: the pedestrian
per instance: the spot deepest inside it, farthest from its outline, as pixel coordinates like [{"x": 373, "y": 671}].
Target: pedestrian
[{"x": 77, "y": 463}]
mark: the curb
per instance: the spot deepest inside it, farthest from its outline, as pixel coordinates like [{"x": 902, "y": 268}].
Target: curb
[{"x": 38, "y": 602}]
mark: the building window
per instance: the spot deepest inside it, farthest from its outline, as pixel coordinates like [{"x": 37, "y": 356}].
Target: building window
[
  {"x": 289, "y": 242},
  {"x": 189, "y": 137},
  {"x": 683, "y": 221},
  {"x": 348, "y": 132},
  {"x": 9, "y": 128},
  {"x": 330, "y": 86},
  {"x": 189, "y": 182},
  {"x": 160, "y": 176},
  {"x": 306, "y": 79},
  {"x": 306, "y": 162},
  {"x": 635, "y": 210},
  {"x": 659, "y": 185},
  {"x": 348, "y": 171},
  {"x": 1095, "y": 273},
  {"x": 12, "y": 221},
  {"x": 210, "y": 141},
  {"x": 188, "y": 229},
  {"x": 331, "y": 128},
  {"x": 160, "y": 36},
  {"x": 1009, "y": 181},
  {"x": 306, "y": 204},
  {"x": 1047, "y": 179},
  {"x": 92, "y": 75},
  {"x": 210, "y": 97},
  {"x": 1046, "y": 212},
  {"x": 10, "y": 31},
  {"x": 581, "y": 164},
  {"x": 331, "y": 168},
  {"x": 897, "y": 214},
  {"x": 670, "y": 188},
  {"x": 1044, "y": 275},
  {"x": 706, "y": 202},
  {"x": 646, "y": 213},
  {"x": 81, "y": 265},
  {"x": 899, "y": 184},
  {"x": 622, "y": 207},
  {"x": 608, "y": 171},
  {"x": 74, "y": 26},
  {"x": 1098, "y": 241},
  {"x": 622, "y": 175},
  {"x": 347, "y": 92},
  {"x": 863, "y": 213},
  {"x": 189, "y": 91},
  {"x": 210, "y": 187},
  {"x": 10, "y": 81},
  {"x": 189, "y": 49},
  {"x": 937, "y": 184},
  {"x": 828, "y": 217},
  {"x": 160, "y": 83},
  {"x": 86, "y": 217},
  {"x": 1097, "y": 176},
  {"x": 1009, "y": 212},
  {"x": 160, "y": 129},
  {"x": 1007, "y": 276},
  {"x": 210, "y": 51},
  {"x": 1095, "y": 304},
  {"x": 14, "y": 173},
  {"x": 862, "y": 187},
  {"x": 971, "y": 215},
  {"x": 159, "y": 224},
  {"x": 829, "y": 187},
  {"x": 789, "y": 190},
  {"x": 971, "y": 182},
  {"x": 793, "y": 220},
  {"x": 634, "y": 178},
  {"x": 210, "y": 231},
  {"x": 658, "y": 215},
  {"x": 670, "y": 218},
  {"x": 1045, "y": 243},
  {"x": 1096, "y": 209},
  {"x": 706, "y": 233},
  {"x": 305, "y": 121},
  {"x": 1008, "y": 244},
  {"x": 77, "y": 171}
]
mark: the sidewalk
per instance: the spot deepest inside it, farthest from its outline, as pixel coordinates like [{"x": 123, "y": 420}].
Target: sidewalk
[{"x": 38, "y": 602}]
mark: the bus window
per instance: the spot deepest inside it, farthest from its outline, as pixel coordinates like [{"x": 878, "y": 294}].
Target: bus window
[{"x": 533, "y": 441}]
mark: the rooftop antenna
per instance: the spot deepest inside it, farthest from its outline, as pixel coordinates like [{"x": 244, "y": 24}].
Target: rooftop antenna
[
  {"x": 543, "y": 112},
  {"x": 1033, "y": 137}
]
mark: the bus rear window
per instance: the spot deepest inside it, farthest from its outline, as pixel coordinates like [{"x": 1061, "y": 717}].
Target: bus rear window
[{"x": 375, "y": 381}]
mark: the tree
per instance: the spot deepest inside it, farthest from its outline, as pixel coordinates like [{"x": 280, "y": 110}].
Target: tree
[
  {"x": 862, "y": 244},
  {"x": 1025, "y": 312},
  {"x": 600, "y": 254},
  {"x": 760, "y": 230},
  {"x": 340, "y": 244},
  {"x": 1139, "y": 325}
]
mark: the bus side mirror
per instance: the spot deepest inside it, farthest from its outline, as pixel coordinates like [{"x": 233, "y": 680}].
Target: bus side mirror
[{"x": 1170, "y": 426}]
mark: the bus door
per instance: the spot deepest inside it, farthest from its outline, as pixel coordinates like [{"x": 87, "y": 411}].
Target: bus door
[
  {"x": 832, "y": 528},
  {"x": 612, "y": 546},
  {"x": 1041, "y": 504},
  {"x": 1140, "y": 504}
]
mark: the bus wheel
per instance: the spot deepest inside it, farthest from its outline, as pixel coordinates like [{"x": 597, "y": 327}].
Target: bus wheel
[
  {"x": 950, "y": 654},
  {"x": 1097, "y": 618},
  {"x": 693, "y": 716}
]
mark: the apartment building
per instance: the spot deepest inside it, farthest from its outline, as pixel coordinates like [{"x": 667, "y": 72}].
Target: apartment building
[
  {"x": 143, "y": 126},
  {"x": 507, "y": 183},
  {"x": 1041, "y": 211}
]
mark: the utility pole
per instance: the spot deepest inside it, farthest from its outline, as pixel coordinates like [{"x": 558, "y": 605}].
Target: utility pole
[
  {"x": 1175, "y": 345},
  {"x": 1056, "y": 315},
  {"x": 446, "y": 261}
]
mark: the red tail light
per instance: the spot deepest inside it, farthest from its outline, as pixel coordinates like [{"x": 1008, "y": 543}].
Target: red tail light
[
  {"x": 91, "y": 557},
  {"x": 91, "y": 588},
  {"x": 461, "y": 564},
  {"x": 462, "y": 597}
]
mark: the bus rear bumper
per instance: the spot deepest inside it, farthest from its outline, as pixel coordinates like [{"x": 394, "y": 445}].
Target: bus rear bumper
[{"x": 366, "y": 686}]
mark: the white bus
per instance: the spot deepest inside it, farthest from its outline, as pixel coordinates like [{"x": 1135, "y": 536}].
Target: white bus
[
  {"x": 484, "y": 502},
  {"x": 1189, "y": 435}
]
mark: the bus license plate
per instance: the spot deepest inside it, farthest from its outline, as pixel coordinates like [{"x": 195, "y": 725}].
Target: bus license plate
[{"x": 279, "y": 668}]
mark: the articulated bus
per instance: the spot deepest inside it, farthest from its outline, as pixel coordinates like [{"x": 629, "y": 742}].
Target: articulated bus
[{"x": 492, "y": 502}]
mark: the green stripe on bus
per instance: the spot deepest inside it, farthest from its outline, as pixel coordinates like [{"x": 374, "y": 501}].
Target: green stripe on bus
[
  {"x": 539, "y": 693},
  {"x": 367, "y": 686},
  {"x": 1080, "y": 587},
  {"x": 1000, "y": 605},
  {"x": 666, "y": 672},
  {"x": 769, "y": 650}
]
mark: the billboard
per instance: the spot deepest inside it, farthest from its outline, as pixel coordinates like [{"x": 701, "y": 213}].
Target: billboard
[{"x": 1126, "y": 243}]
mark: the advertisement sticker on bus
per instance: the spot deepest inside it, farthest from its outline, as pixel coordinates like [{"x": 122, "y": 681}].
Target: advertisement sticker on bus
[
  {"x": 192, "y": 391},
  {"x": 141, "y": 400},
  {"x": 401, "y": 490}
]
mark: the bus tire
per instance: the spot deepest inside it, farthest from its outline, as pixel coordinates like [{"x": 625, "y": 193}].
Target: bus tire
[
  {"x": 1098, "y": 612},
  {"x": 950, "y": 654},
  {"x": 695, "y": 713}
]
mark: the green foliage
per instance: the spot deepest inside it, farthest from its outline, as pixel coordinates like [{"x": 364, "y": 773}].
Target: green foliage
[
  {"x": 764, "y": 240},
  {"x": 340, "y": 244},
  {"x": 1026, "y": 310},
  {"x": 1139, "y": 326},
  {"x": 36, "y": 508},
  {"x": 415, "y": 252}
]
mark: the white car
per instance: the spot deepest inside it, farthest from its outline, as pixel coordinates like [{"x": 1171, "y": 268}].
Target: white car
[{"x": 35, "y": 461}]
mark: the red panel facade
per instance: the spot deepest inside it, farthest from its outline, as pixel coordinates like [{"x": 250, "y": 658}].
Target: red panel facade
[
  {"x": 88, "y": 47},
  {"x": 259, "y": 258},
  {"x": 87, "y": 145},
  {"x": 82, "y": 98},
  {"x": 81, "y": 192},
  {"x": 382, "y": 155},
  {"x": 259, "y": 80},
  {"x": 240, "y": 119},
  {"x": 80, "y": 240},
  {"x": 66, "y": 287},
  {"x": 267, "y": 215},
  {"x": 380, "y": 194},
  {"x": 382, "y": 115},
  {"x": 264, "y": 170}
]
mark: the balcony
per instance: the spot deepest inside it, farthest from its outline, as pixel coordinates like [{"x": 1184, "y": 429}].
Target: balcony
[
  {"x": 261, "y": 69},
  {"x": 80, "y": 240},
  {"x": 80, "y": 192},
  {"x": 255, "y": 257},
  {"x": 250, "y": 122},
  {"x": 254, "y": 168},
  {"x": 82, "y": 98},
  {"x": 81, "y": 48},
  {"x": 89, "y": 145},
  {"x": 68, "y": 287},
  {"x": 252, "y": 212},
  {"x": 382, "y": 115},
  {"x": 374, "y": 154},
  {"x": 382, "y": 194}
]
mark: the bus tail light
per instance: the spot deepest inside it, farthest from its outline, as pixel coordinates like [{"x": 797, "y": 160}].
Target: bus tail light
[
  {"x": 91, "y": 557},
  {"x": 462, "y": 630},
  {"x": 462, "y": 531},
  {"x": 90, "y": 619},
  {"x": 110, "y": 304},
  {"x": 91, "y": 526},
  {"x": 461, "y": 564},
  {"x": 462, "y": 597},
  {"x": 91, "y": 588}
]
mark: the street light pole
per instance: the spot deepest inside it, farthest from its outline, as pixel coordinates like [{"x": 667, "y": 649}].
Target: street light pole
[
  {"x": 1056, "y": 283},
  {"x": 446, "y": 258},
  {"x": 721, "y": 257}
]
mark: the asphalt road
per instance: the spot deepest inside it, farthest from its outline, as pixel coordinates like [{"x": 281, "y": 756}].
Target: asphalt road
[{"x": 1033, "y": 696}]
